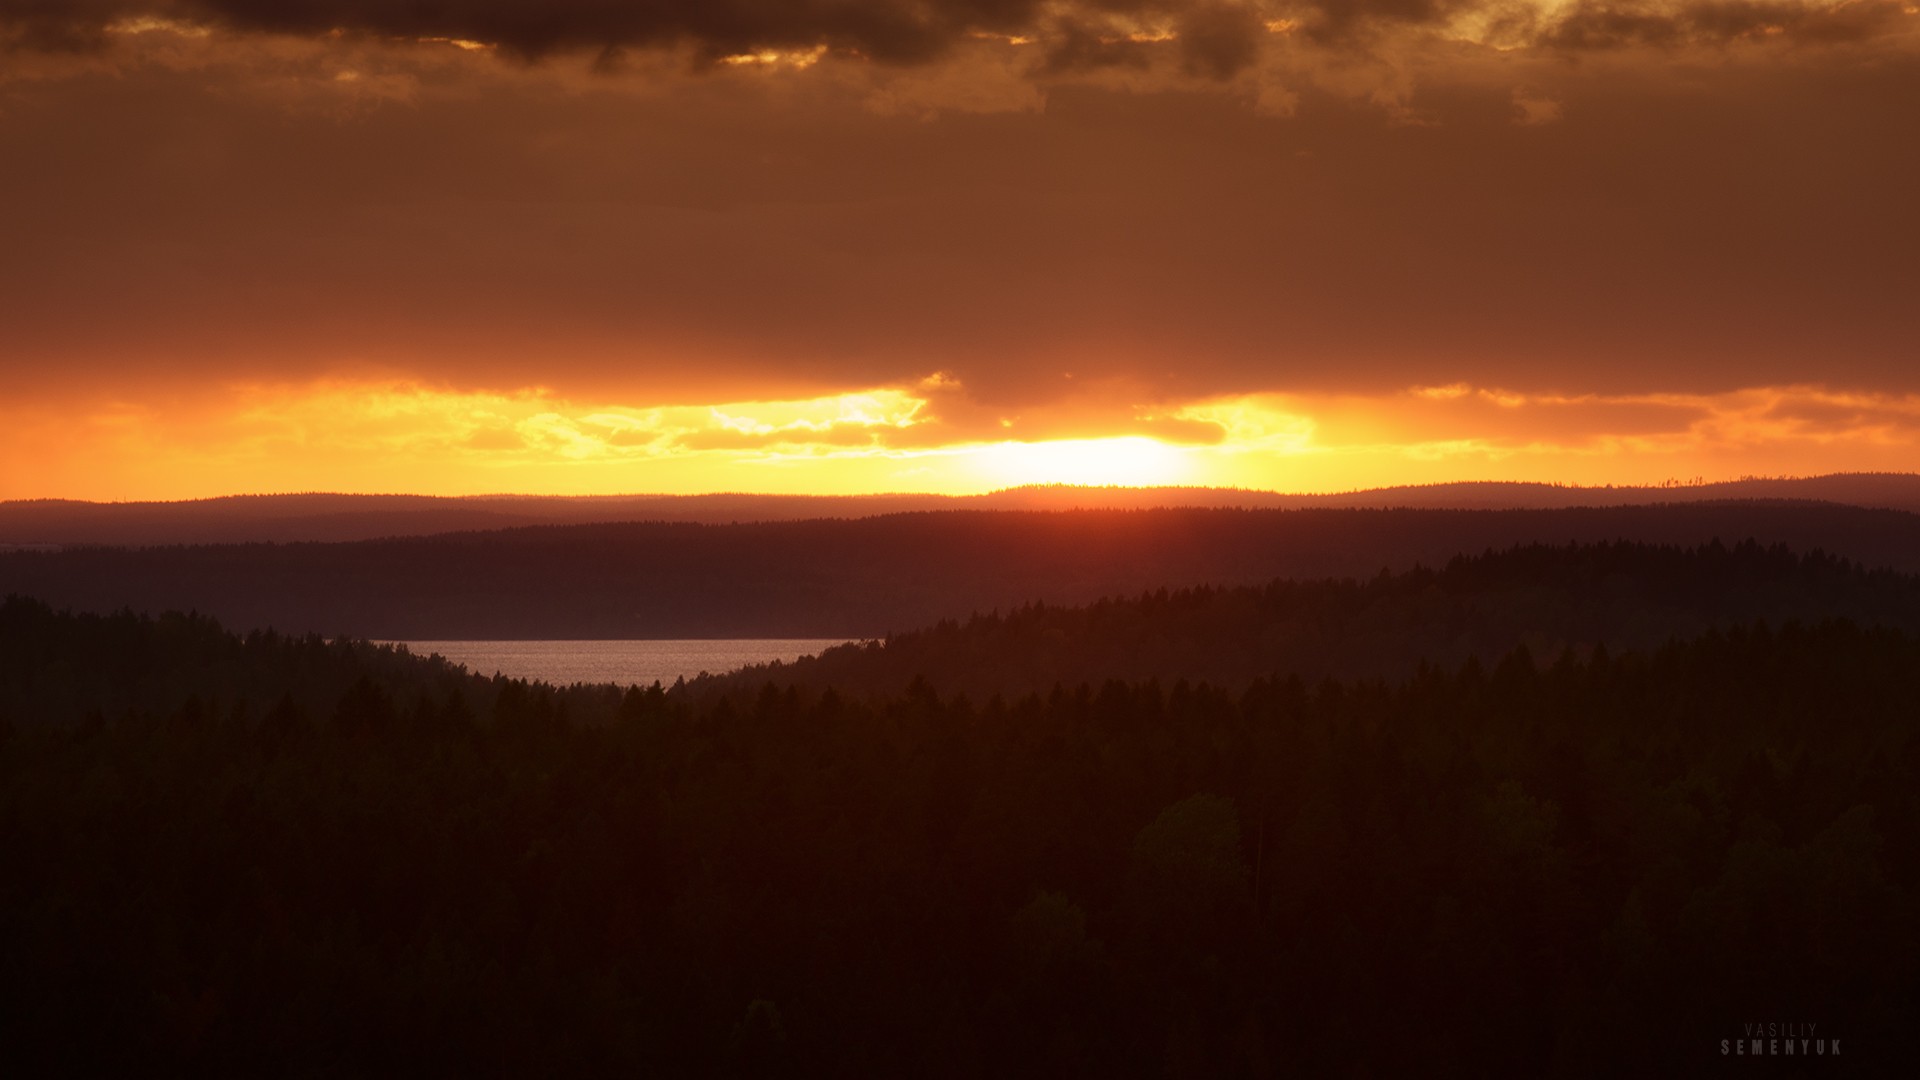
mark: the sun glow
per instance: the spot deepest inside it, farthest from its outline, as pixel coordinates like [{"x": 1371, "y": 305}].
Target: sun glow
[
  {"x": 1132, "y": 460},
  {"x": 361, "y": 434}
]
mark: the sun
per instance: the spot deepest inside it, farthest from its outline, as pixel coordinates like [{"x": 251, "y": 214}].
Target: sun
[{"x": 1132, "y": 460}]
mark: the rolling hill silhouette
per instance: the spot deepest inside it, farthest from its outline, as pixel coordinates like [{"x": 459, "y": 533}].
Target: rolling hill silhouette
[
  {"x": 857, "y": 578},
  {"x": 334, "y": 518},
  {"x": 1549, "y": 600}
]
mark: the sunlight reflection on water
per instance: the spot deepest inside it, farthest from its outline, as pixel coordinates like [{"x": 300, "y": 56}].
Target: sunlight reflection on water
[{"x": 620, "y": 662}]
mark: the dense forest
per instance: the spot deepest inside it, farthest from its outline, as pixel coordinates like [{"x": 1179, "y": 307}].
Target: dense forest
[
  {"x": 264, "y": 854},
  {"x": 853, "y": 578},
  {"x": 59, "y": 669},
  {"x": 1547, "y": 598}
]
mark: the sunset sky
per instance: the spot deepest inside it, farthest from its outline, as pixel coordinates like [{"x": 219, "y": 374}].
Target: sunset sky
[{"x": 580, "y": 246}]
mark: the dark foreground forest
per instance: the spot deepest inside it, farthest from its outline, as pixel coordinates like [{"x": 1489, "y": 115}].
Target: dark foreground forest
[{"x": 268, "y": 855}]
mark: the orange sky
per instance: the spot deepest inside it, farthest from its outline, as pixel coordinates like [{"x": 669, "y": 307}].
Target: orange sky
[{"x": 952, "y": 245}]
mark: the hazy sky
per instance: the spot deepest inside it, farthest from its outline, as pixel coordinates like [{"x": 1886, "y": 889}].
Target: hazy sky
[{"x": 675, "y": 245}]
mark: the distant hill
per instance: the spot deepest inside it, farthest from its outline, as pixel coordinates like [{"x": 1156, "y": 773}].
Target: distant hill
[
  {"x": 338, "y": 518},
  {"x": 857, "y": 578},
  {"x": 334, "y": 518},
  {"x": 1546, "y": 599}
]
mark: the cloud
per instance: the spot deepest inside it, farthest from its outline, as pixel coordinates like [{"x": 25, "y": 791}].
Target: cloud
[
  {"x": 841, "y": 435},
  {"x": 1096, "y": 407},
  {"x": 721, "y": 238},
  {"x": 1345, "y": 21},
  {"x": 1214, "y": 39},
  {"x": 1534, "y": 110},
  {"x": 1605, "y": 24},
  {"x": 1086, "y": 252},
  {"x": 497, "y": 438},
  {"x": 1076, "y": 46},
  {"x": 883, "y": 29},
  {"x": 1462, "y": 432},
  {"x": 1220, "y": 40},
  {"x": 358, "y": 435},
  {"x": 891, "y": 31}
]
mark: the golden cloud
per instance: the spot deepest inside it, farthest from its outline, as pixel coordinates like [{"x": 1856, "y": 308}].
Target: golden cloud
[{"x": 375, "y": 435}]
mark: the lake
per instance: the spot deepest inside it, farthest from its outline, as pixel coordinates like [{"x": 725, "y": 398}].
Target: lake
[{"x": 620, "y": 662}]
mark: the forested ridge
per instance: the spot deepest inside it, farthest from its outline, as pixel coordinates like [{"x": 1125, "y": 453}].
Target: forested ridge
[
  {"x": 289, "y": 518},
  {"x": 854, "y": 578},
  {"x": 1548, "y": 598},
  {"x": 63, "y": 669},
  {"x": 1589, "y": 862}
]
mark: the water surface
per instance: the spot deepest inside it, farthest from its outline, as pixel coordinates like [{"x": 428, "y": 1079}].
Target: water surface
[{"x": 621, "y": 662}]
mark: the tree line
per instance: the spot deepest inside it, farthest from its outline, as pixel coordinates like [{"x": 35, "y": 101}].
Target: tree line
[{"x": 1546, "y": 597}]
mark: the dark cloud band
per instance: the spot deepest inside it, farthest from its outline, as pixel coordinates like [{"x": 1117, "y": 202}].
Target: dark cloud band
[
  {"x": 1213, "y": 38},
  {"x": 892, "y": 30},
  {"x": 1600, "y": 24}
]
